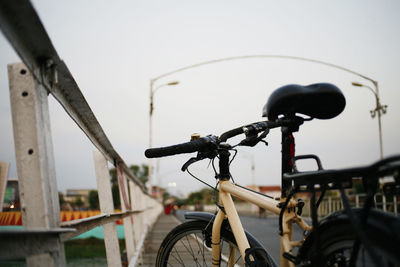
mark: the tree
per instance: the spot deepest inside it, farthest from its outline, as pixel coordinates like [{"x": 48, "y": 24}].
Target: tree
[
  {"x": 78, "y": 202},
  {"x": 93, "y": 200},
  {"x": 115, "y": 188},
  {"x": 165, "y": 196},
  {"x": 141, "y": 172},
  {"x": 61, "y": 199},
  {"x": 194, "y": 198},
  {"x": 204, "y": 196}
]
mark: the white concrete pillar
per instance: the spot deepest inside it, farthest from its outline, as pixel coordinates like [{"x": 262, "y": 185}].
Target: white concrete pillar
[
  {"x": 107, "y": 206},
  {"x": 124, "y": 196},
  {"x": 35, "y": 160}
]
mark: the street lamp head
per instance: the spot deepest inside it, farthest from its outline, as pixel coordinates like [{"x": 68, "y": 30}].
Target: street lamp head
[
  {"x": 357, "y": 84},
  {"x": 384, "y": 109},
  {"x": 173, "y": 83}
]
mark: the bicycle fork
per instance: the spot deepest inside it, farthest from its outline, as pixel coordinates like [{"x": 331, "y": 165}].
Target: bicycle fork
[{"x": 236, "y": 226}]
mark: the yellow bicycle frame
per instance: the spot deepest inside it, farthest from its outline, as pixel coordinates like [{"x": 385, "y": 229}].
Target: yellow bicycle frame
[{"x": 226, "y": 189}]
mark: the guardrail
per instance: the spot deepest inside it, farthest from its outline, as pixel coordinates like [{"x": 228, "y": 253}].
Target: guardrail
[
  {"x": 43, "y": 73},
  {"x": 334, "y": 203}
]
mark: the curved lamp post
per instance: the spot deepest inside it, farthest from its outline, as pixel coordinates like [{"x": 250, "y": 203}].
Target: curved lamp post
[
  {"x": 375, "y": 83},
  {"x": 379, "y": 109},
  {"x": 152, "y": 92}
]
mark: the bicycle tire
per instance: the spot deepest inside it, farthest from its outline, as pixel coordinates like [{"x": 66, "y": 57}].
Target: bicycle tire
[
  {"x": 185, "y": 245},
  {"x": 335, "y": 246}
]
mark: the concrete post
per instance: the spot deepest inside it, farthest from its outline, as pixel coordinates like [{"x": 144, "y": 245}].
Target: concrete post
[
  {"x": 129, "y": 239},
  {"x": 107, "y": 206},
  {"x": 35, "y": 160},
  {"x": 137, "y": 218}
]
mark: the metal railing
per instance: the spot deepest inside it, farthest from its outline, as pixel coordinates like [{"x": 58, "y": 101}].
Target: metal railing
[
  {"x": 334, "y": 203},
  {"x": 44, "y": 73}
]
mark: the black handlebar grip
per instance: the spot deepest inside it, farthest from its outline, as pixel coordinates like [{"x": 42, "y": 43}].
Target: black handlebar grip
[
  {"x": 188, "y": 147},
  {"x": 257, "y": 126},
  {"x": 225, "y": 136}
]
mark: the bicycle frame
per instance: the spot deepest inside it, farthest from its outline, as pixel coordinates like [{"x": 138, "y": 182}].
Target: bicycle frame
[{"x": 226, "y": 189}]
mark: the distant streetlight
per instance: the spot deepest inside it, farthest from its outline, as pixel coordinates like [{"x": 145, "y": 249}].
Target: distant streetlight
[
  {"x": 152, "y": 92},
  {"x": 379, "y": 109},
  {"x": 172, "y": 184}
]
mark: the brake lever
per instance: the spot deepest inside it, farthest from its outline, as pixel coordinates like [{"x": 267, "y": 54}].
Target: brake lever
[
  {"x": 252, "y": 140},
  {"x": 188, "y": 163},
  {"x": 249, "y": 141},
  {"x": 200, "y": 156}
]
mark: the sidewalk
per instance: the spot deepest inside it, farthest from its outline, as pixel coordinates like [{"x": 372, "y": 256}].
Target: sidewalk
[{"x": 154, "y": 239}]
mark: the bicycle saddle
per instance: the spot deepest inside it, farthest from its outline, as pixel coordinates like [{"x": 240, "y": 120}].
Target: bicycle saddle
[{"x": 320, "y": 101}]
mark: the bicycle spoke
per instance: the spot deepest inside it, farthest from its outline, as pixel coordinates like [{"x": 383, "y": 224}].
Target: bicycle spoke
[
  {"x": 187, "y": 249},
  {"x": 240, "y": 256},
  {"x": 220, "y": 250},
  {"x": 200, "y": 249},
  {"x": 181, "y": 261},
  {"x": 178, "y": 259},
  {"x": 191, "y": 250},
  {"x": 204, "y": 248},
  {"x": 232, "y": 253},
  {"x": 183, "y": 252},
  {"x": 194, "y": 257}
]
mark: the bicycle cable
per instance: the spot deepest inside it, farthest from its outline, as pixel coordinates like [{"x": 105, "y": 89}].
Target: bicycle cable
[
  {"x": 201, "y": 180},
  {"x": 283, "y": 206},
  {"x": 233, "y": 156},
  {"x": 251, "y": 190},
  {"x": 217, "y": 200},
  {"x": 213, "y": 165}
]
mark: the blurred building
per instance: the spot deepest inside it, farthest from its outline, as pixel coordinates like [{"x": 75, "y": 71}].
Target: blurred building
[
  {"x": 78, "y": 198},
  {"x": 270, "y": 190},
  {"x": 157, "y": 192},
  {"x": 11, "y": 196}
]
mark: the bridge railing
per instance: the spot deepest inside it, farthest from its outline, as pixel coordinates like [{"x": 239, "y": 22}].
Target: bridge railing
[
  {"x": 334, "y": 203},
  {"x": 41, "y": 74}
]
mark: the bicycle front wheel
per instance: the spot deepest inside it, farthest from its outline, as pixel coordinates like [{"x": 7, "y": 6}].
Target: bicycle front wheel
[{"x": 187, "y": 245}]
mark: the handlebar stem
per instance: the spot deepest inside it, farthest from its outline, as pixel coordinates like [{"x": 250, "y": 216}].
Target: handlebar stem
[
  {"x": 288, "y": 152},
  {"x": 288, "y": 149},
  {"x": 224, "y": 173}
]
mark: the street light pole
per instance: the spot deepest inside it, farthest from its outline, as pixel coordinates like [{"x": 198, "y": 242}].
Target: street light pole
[
  {"x": 379, "y": 109},
  {"x": 152, "y": 92}
]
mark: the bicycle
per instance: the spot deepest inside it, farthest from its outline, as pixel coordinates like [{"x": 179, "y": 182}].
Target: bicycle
[{"x": 362, "y": 237}]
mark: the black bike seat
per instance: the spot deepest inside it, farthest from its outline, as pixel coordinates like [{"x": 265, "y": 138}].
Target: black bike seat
[{"x": 320, "y": 101}]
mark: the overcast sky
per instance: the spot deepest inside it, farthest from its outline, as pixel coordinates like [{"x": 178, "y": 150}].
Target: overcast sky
[{"x": 113, "y": 49}]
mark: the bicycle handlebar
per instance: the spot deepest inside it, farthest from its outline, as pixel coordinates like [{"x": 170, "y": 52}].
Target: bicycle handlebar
[
  {"x": 210, "y": 142},
  {"x": 200, "y": 144}
]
